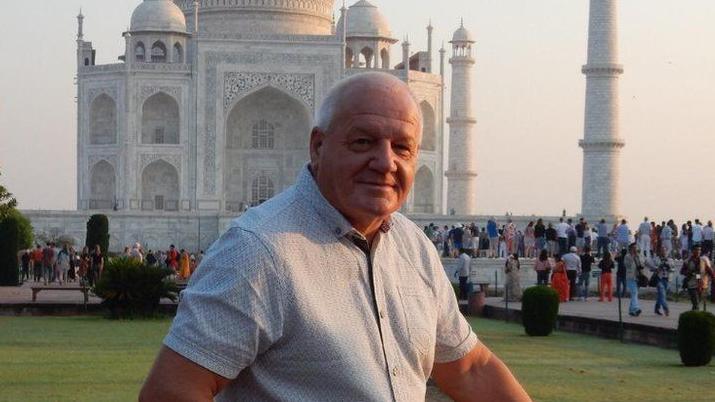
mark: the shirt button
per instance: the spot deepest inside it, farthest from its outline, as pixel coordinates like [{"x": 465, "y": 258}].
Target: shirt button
[
  {"x": 382, "y": 314},
  {"x": 394, "y": 371}
]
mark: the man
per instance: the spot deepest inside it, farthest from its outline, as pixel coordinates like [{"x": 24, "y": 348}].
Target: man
[
  {"x": 580, "y": 234},
  {"x": 552, "y": 240},
  {"x": 136, "y": 253},
  {"x": 48, "y": 262},
  {"x": 573, "y": 269},
  {"x": 698, "y": 274},
  {"x": 540, "y": 235},
  {"x": 696, "y": 233},
  {"x": 661, "y": 266},
  {"x": 584, "y": 279},
  {"x": 633, "y": 266},
  {"x": 666, "y": 240},
  {"x": 465, "y": 266},
  {"x": 602, "y": 240},
  {"x": 493, "y": 232},
  {"x": 457, "y": 237},
  {"x": 644, "y": 237},
  {"x": 562, "y": 229},
  {"x": 623, "y": 235},
  {"x": 345, "y": 299}
]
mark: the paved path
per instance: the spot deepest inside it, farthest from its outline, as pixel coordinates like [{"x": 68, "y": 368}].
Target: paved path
[
  {"x": 609, "y": 311},
  {"x": 23, "y": 294}
]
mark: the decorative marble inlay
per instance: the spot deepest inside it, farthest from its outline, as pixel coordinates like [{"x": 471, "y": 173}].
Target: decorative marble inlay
[{"x": 300, "y": 85}]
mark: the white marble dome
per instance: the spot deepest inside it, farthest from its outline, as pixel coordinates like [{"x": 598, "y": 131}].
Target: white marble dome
[
  {"x": 366, "y": 20},
  {"x": 158, "y": 15},
  {"x": 462, "y": 35}
]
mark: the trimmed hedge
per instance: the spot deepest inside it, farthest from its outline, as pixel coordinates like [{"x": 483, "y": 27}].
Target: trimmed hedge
[
  {"x": 696, "y": 338},
  {"x": 98, "y": 233},
  {"x": 9, "y": 246},
  {"x": 131, "y": 289},
  {"x": 539, "y": 308}
]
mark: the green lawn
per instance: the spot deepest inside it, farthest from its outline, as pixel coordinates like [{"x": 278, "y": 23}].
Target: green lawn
[{"x": 93, "y": 359}]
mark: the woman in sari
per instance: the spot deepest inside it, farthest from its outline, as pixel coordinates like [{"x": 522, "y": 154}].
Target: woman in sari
[
  {"x": 185, "y": 265},
  {"x": 559, "y": 280}
]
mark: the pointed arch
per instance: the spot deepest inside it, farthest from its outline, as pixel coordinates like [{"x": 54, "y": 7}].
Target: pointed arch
[
  {"x": 102, "y": 186},
  {"x": 140, "y": 52},
  {"x": 158, "y": 52},
  {"x": 103, "y": 121},
  {"x": 268, "y": 125},
  {"x": 178, "y": 55},
  {"x": 160, "y": 186},
  {"x": 385, "y": 57},
  {"x": 366, "y": 58},
  {"x": 424, "y": 191},
  {"x": 160, "y": 120},
  {"x": 429, "y": 127}
]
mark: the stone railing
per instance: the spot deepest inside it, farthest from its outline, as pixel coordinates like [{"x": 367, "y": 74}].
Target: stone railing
[{"x": 138, "y": 66}]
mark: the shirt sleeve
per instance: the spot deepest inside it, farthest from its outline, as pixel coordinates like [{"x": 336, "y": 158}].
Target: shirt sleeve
[
  {"x": 232, "y": 310},
  {"x": 455, "y": 338}
]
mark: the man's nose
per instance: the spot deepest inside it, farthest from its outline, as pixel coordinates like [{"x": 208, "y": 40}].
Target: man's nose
[{"x": 383, "y": 159}]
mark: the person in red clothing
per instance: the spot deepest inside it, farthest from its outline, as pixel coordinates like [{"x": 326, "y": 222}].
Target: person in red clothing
[
  {"x": 37, "y": 264},
  {"x": 559, "y": 280},
  {"x": 172, "y": 258},
  {"x": 606, "y": 265}
]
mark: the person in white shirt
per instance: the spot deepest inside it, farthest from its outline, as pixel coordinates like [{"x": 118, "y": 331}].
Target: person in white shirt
[
  {"x": 562, "y": 229},
  {"x": 465, "y": 266},
  {"x": 573, "y": 270},
  {"x": 666, "y": 239},
  {"x": 697, "y": 233},
  {"x": 644, "y": 237}
]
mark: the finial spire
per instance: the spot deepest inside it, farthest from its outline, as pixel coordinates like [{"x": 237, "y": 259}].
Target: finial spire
[{"x": 461, "y": 22}]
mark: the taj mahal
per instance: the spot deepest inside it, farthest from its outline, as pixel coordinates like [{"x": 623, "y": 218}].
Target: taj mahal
[{"x": 208, "y": 113}]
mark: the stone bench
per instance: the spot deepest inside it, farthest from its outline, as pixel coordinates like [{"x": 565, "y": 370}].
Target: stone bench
[{"x": 38, "y": 289}]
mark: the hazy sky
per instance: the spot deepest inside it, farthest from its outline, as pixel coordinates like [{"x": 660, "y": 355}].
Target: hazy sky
[{"x": 529, "y": 96}]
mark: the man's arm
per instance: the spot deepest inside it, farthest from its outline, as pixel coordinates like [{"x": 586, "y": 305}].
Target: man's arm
[
  {"x": 175, "y": 378},
  {"x": 478, "y": 376}
]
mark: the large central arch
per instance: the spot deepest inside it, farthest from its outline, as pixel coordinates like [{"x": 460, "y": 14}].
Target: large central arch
[
  {"x": 160, "y": 187},
  {"x": 267, "y": 130}
]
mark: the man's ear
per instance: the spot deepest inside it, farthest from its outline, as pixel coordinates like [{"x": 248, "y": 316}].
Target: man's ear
[{"x": 316, "y": 146}]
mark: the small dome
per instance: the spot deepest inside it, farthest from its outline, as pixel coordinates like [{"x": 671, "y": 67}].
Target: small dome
[
  {"x": 462, "y": 35},
  {"x": 158, "y": 15},
  {"x": 365, "y": 19}
]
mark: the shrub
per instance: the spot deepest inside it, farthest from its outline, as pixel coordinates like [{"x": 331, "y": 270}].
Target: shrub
[
  {"x": 696, "y": 338},
  {"x": 132, "y": 289},
  {"x": 98, "y": 232},
  {"x": 9, "y": 246},
  {"x": 539, "y": 308}
]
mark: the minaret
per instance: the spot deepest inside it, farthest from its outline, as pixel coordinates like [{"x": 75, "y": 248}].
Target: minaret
[
  {"x": 80, "y": 26},
  {"x": 406, "y": 56},
  {"x": 601, "y": 140},
  {"x": 429, "y": 47},
  {"x": 462, "y": 167}
]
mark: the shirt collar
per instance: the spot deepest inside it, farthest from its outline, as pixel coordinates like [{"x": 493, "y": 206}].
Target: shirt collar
[{"x": 331, "y": 217}]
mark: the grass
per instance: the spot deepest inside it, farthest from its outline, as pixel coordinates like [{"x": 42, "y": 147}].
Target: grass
[{"x": 93, "y": 359}]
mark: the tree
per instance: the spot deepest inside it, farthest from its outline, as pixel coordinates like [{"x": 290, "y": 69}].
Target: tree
[
  {"x": 98, "y": 232},
  {"x": 9, "y": 246},
  {"x": 7, "y": 201}
]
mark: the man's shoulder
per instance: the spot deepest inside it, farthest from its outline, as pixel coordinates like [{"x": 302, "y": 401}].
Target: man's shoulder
[{"x": 272, "y": 215}]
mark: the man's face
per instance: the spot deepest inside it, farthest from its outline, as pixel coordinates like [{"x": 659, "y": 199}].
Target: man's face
[
  {"x": 696, "y": 253},
  {"x": 365, "y": 164}
]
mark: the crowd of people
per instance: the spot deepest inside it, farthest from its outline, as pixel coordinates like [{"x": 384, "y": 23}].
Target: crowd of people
[
  {"x": 496, "y": 241},
  {"x": 63, "y": 264},
  {"x": 564, "y": 257}
]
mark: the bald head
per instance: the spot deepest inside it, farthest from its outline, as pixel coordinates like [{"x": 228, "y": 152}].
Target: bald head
[{"x": 371, "y": 92}]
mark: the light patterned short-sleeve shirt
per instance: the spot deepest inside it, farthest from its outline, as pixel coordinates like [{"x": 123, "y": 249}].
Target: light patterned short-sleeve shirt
[{"x": 292, "y": 305}]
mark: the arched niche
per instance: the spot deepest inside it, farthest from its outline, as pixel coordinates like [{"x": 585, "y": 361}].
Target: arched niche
[
  {"x": 366, "y": 57},
  {"x": 349, "y": 57},
  {"x": 178, "y": 55},
  {"x": 424, "y": 191},
  {"x": 103, "y": 121},
  {"x": 160, "y": 120},
  {"x": 158, "y": 52},
  {"x": 160, "y": 186},
  {"x": 385, "y": 58},
  {"x": 102, "y": 186},
  {"x": 429, "y": 127},
  {"x": 140, "y": 52}
]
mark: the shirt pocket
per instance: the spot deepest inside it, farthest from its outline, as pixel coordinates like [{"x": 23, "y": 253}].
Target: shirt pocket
[{"x": 418, "y": 307}]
